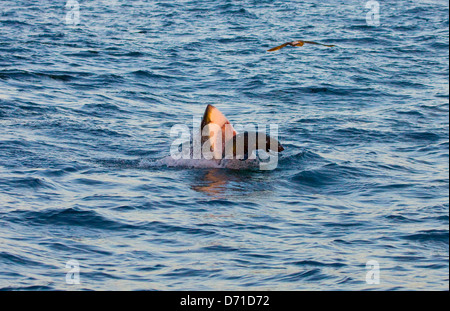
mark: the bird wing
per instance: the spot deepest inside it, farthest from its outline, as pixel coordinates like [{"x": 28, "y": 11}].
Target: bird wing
[
  {"x": 278, "y": 47},
  {"x": 312, "y": 42}
]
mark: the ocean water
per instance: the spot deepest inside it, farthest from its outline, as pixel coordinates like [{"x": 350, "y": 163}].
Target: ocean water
[{"x": 85, "y": 116}]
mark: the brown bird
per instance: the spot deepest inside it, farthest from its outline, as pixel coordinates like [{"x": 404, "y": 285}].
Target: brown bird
[{"x": 297, "y": 43}]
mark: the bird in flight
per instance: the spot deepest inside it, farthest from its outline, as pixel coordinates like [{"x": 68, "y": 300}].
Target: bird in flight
[{"x": 296, "y": 43}]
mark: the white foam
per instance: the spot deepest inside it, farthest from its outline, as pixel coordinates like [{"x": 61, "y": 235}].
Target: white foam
[{"x": 199, "y": 163}]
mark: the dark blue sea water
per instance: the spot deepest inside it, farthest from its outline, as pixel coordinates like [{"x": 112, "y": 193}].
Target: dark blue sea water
[{"x": 85, "y": 118}]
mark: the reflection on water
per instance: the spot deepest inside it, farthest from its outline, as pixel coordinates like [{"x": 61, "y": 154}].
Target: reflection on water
[
  {"x": 212, "y": 182},
  {"x": 223, "y": 183}
]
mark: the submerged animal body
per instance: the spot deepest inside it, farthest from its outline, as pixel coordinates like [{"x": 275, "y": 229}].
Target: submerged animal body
[{"x": 297, "y": 44}]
